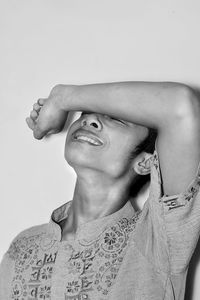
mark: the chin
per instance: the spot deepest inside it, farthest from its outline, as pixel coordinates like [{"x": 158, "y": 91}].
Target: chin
[
  {"x": 80, "y": 153},
  {"x": 75, "y": 158},
  {"x": 83, "y": 162}
]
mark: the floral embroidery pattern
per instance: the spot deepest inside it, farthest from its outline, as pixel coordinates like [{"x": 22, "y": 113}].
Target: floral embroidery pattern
[
  {"x": 176, "y": 201},
  {"x": 84, "y": 269},
  {"x": 33, "y": 262},
  {"x": 193, "y": 190},
  {"x": 94, "y": 268},
  {"x": 110, "y": 238},
  {"x": 155, "y": 162},
  {"x": 173, "y": 202}
]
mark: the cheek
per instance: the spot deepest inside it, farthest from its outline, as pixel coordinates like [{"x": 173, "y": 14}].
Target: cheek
[
  {"x": 123, "y": 147},
  {"x": 118, "y": 155}
]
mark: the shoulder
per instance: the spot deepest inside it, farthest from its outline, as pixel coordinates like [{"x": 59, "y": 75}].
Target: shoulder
[
  {"x": 25, "y": 239},
  {"x": 31, "y": 231}
]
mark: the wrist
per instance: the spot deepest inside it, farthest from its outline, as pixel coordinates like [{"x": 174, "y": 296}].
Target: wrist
[{"x": 63, "y": 96}]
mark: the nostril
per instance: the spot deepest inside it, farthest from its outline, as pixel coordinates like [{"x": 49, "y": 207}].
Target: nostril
[{"x": 94, "y": 124}]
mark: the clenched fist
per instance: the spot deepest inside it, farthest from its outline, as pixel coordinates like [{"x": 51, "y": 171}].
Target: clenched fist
[{"x": 48, "y": 116}]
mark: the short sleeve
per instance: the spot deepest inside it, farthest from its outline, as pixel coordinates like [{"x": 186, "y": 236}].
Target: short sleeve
[
  {"x": 169, "y": 226},
  {"x": 179, "y": 216}
]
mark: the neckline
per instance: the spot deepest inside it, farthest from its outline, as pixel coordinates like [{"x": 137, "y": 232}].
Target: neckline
[{"x": 91, "y": 229}]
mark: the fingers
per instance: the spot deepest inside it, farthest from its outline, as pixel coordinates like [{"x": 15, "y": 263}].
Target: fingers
[
  {"x": 33, "y": 119},
  {"x": 30, "y": 123},
  {"x": 36, "y": 107},
  {"x": 36, "y": 132},
  {"x": 41, "y": 101},
  {"x": 34, "y": 114}
]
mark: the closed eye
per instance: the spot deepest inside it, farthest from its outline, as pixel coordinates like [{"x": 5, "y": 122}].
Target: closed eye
[
  {"x": 85, "y": 113},
  {"x": 118, "y": 120},
  {"x": 106, "y": 116},
  {"x": 115, "y": 119}
]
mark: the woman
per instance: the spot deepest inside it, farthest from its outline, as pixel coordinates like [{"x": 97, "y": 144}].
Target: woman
[{"x": 98, "y": 246}]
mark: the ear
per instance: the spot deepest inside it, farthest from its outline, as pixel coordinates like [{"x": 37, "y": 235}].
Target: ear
[{"x": 141, "y": 164}]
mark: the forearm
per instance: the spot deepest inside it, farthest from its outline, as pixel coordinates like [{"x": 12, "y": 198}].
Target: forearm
[{"x": 151, "y": 104}]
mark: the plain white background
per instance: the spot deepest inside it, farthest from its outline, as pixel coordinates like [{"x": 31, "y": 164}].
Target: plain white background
[{"x": 73, "y": 41}]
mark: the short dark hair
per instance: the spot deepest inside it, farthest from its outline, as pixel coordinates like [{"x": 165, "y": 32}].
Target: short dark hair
[{"x": 147, "y": 145}]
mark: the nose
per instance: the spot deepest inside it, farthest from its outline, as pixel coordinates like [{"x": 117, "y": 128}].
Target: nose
[{"x": 91, "y": 120}]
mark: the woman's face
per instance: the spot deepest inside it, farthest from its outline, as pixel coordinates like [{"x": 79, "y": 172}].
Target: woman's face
[{"x": 102, "y": 143}]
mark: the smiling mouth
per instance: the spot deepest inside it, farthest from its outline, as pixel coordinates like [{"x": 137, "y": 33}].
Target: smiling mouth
[{"x": 90, "y": 140}]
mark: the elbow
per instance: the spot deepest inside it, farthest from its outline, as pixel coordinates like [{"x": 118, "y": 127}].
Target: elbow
[{"x": 187, "y": 104}]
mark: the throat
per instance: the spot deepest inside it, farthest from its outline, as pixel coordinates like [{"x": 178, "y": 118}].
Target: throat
[{"x": 88, "y": 205}]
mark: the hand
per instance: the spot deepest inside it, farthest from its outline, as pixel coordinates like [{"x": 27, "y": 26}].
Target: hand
[{"x": 47, "y": 116}]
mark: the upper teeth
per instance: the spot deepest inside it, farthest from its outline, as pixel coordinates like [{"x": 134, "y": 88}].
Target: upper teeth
[{"x": 87, "y": 139}]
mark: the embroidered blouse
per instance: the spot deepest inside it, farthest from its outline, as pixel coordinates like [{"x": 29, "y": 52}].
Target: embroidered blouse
[{"x": 128, "y": 255}]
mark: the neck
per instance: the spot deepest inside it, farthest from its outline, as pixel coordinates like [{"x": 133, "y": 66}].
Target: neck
[{"x": 95, "y": 196}]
